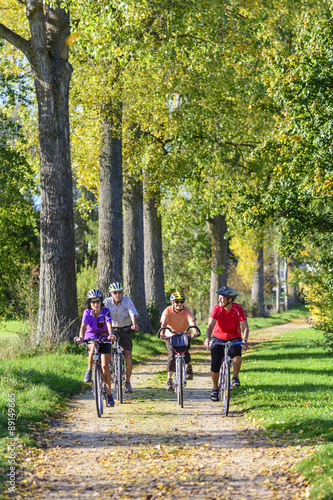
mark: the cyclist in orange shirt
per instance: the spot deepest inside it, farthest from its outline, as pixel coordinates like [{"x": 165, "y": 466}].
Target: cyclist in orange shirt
[{"x": 178, "y": 318}]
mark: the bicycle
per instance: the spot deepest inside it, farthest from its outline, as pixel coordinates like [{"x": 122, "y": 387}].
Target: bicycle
[
  {"x": 179, "y": 343},
  {"x": 99, "y": 386},
  {"x": 224, "y": 374},
  {"x": 117, "y": 364}
]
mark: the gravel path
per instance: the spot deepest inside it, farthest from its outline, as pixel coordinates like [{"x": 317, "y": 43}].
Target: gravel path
[{"x": 150, "y": 448}]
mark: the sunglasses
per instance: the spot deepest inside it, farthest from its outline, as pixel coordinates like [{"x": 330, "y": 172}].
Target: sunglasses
[
  {"x": 179, "y": 302},
  {"x": 95, "y": 301},
  {"x": 117, "y": 293}
]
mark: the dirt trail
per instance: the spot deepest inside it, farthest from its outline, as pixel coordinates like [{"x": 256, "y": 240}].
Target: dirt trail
[{"x": 150, "y": 448}]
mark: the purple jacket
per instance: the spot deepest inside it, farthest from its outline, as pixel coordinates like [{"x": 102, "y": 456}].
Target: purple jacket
[{"x": 96, "y": 327}]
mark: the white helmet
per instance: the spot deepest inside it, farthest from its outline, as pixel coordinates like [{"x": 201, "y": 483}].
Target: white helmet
[{"x": 95, "y": 293}]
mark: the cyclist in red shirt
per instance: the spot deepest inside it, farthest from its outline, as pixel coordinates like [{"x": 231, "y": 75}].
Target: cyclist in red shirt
[{"x": 227, "y": 321}]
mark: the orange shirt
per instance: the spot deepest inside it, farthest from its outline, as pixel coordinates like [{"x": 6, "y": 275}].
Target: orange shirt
[{"x": 177, "y": 321}]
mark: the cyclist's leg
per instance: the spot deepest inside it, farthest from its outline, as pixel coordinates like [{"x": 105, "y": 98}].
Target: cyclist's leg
[
  {"x": 236, "y": 355},
  {"x": 126, "y": 344},
  {"x": 217, "y": 353},
  {"x": 171, "y": 367},
  {"x": 105, "y": 362},
  {"x": 128, "y": 365}
]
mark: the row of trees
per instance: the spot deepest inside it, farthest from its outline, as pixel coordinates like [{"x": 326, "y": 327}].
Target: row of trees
[{"x": 186, "y": 127}]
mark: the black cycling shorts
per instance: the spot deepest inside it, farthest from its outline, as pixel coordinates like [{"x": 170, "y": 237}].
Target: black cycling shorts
[
  {"x": 103, "y": 348},
  {"x": 217, "y": 353}
]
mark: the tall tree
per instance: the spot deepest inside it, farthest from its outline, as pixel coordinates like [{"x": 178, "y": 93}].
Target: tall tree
[
  {"x": 218, "y": 228},
  {"x": 258, "y": 305},
  {"x": 153, "y": 254},
  {"x": 47, "y": 53},
  {"x": 110, "y": 242},
  {"x": 134, "y": 249}
]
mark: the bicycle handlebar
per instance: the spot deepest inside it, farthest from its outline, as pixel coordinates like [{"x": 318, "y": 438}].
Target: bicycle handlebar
[
  {"x": 99, "y": 341},
  {"x": 227, "y": 342},
  {"x": 178, "y": 334}
]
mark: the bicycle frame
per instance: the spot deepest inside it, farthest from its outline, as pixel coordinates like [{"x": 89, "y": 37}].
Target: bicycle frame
[
  {"x": 117, "y": 360},
  {"x": 99, "y": 386},
  {"x": 224, "y": 384},
  {"x": 180, "y": 373}
]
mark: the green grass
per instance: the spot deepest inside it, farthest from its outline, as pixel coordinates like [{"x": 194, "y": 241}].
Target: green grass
[
  {"x": 10, "y": 331},
  {"x": 287, "y": 389},
  {"x": 294, "y": 313}
]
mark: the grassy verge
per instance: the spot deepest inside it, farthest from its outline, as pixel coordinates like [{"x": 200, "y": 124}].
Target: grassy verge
[{"x": 287, "y": 389}]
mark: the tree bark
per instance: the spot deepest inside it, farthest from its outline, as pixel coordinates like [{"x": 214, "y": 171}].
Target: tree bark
[
  {"x": 219, "y": 245},
  {"x": 153, "y": 256},
  {"x": 134, "y": 281},
  {"x": 278, "y": 284},
  {"x": 258, "y": 306},
  {"x": 110, "y": 242},
  {"x": 48, "y": 56},
  {"x": 285, "y": 280}
]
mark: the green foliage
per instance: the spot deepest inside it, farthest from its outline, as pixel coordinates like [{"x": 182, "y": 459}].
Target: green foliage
[
  {"x": 186, "y": 251},
  {"x": 286, "y": 389},
  {"x": 154, "y": 316},
  {"x": 85, "y": 280}
]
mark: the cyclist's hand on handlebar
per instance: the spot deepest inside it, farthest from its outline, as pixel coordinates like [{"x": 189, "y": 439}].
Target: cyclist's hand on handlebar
[
  {"x": 112, "y": 338},
  {"x": 244, "y": 347},
  {"x": 206, "y": 343},
  {"x": 78, "y": 340},
  {"x": 136, "y": 328}
]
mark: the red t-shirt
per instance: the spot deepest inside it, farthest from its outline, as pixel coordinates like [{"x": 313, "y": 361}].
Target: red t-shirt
[{"x": 227, "y": 326}]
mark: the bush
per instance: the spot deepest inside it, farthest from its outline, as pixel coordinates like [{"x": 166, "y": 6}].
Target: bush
[{"x": 86, "y": 279}]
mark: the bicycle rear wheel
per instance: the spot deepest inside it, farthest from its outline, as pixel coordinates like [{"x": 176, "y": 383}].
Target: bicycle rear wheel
[
  {"x": 180, "y": 380},
  {"x": 225, "y": 388},
  {"x": 119, "y": 378},
  {"x": 98, "y": 389}
]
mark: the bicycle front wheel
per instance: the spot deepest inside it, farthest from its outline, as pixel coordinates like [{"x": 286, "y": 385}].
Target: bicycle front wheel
[
  {"x": 225, "y": 388},
  {"x": 98, "y": 389},
  {"x": 119, "y": 378},
  {"x": 180, "y": 381}
]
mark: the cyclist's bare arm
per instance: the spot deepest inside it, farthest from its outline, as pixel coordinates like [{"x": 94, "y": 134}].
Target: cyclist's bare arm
[
  {"x": 110, "y": 331},
  {"x": 245, "y": 329},
  {"x": 165, "y": 334},
  {"x": 134, "y": 326},
  {"x": 192, "y": 332},
  {"x": 209, "y": 331},
  {"x": 80, "y": 338}
]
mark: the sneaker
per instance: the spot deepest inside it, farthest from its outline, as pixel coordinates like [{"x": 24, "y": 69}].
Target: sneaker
[
  {"x": 128, "y": 388},
  {"x": 109, "y": 400},
  {"x": 189, "y": 372},
  {"x": 87, "y": 377},
  {"x": 214, "y": 395},
  {"x": 169, "y": 385},
  {"x": 235, "y": 382}
]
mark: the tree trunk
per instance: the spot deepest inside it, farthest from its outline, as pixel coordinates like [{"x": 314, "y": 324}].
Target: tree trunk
[
  {"x": 285, "y": 281},
  {"x": 293, "y": 296},
  {"x": 47, "y": 53},
  {"x": 153, "y": 257},
  {"x": 134, "y": 281},
  {"x": 110, "y": 242},
  {"x": 258, "y": 306},
  {"x": 218, "y": 278},
  {"x": 278, "y": 284}
]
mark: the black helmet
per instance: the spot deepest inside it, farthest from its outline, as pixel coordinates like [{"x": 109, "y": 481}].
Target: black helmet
[{"x": 226, "y": 291}]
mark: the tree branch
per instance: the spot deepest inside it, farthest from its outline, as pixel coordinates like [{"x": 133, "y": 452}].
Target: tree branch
[{"x": 15, "y": 39}]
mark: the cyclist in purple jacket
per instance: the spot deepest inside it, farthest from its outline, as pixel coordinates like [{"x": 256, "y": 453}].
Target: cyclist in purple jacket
[{"x": 96, "y": 324}]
